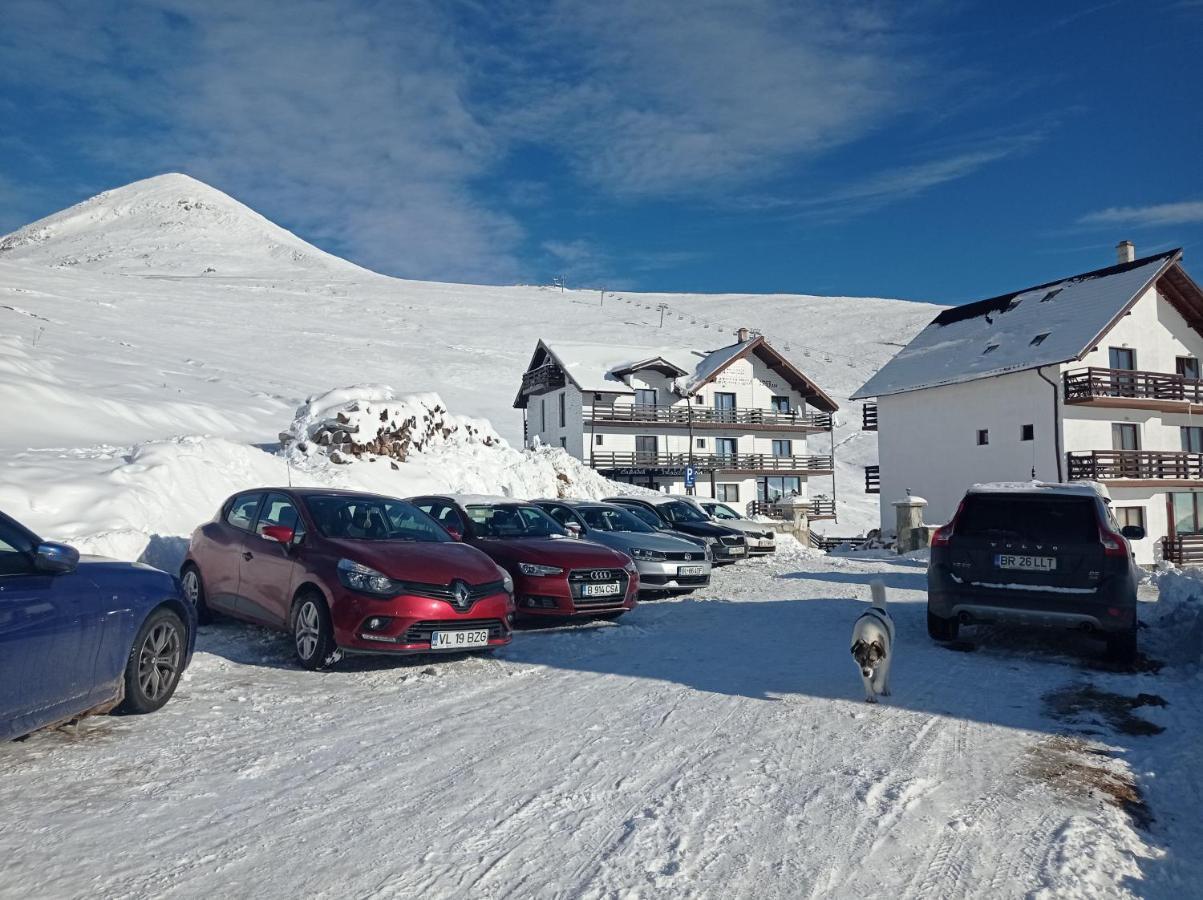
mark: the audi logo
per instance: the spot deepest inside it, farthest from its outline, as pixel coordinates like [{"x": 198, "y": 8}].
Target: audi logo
[{"x": 599, "y": 574}]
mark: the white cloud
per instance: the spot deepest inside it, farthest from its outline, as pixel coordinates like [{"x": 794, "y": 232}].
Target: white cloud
[
  {"x": 655, "y": 98},
  {"x": 1188, "y": 212}
]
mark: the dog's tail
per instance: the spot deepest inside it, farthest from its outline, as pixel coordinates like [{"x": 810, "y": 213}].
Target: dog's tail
[{"x": 878, "y": 589}]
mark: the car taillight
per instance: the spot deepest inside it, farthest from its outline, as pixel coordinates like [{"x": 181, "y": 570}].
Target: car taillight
[
  {"x": 943, "y": 535},
  {"x": 1113, "y": 544}
]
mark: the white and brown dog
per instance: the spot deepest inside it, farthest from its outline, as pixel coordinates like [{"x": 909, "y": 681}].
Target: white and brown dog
[{"x": 873, "y": 645}]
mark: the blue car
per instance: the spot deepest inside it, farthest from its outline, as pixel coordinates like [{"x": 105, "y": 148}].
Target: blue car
[{"x": 81, "y": 636}]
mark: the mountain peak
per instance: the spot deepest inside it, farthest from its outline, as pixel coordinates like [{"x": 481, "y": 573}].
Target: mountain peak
[{"x": 170, "y": 224}]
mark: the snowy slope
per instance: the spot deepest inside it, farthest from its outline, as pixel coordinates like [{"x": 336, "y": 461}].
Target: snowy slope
[{"x": 112, "y": 332}]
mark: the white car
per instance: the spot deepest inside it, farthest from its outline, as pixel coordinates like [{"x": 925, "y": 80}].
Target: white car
[{"x": 761, "y": 537}]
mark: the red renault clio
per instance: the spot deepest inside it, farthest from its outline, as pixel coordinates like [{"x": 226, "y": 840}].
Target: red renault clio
[
  {"x": 554, "y": 574},
  {"x": 348, "y": 572}
]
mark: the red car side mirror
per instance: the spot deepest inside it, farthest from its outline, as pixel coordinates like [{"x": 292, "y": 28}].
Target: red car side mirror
[
  {"x": 455, "y": 535},
  {"x": 281, "y": 534}
]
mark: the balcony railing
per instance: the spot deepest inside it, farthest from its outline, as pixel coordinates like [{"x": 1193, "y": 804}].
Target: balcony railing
[
  {"x": 1183, "y": 549},
  {"x": 547, "y": 377},
  {"x": 1086, "y": 385},
  {"x": 705, "y": 417},
  {"x": 817, "y": 508},
  {"x": 735, "y": 462},
  {"x": 1113, "y": 465},
  {"x": 869, "y": 417},
  {"x": 872, "y": 479}
]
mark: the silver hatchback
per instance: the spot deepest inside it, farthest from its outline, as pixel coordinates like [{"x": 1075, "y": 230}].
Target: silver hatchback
[{"x": 666, "y": 563}]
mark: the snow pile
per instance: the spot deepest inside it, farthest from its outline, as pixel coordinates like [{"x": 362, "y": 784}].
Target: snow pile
[
  {"x": 142, "y": 502},
  {"x": 1176, "y": 619},
  {"x": 371, "y": 420}
]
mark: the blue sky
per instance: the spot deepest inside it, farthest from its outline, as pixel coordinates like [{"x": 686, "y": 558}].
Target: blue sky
[{"x": 942, "y": 151}]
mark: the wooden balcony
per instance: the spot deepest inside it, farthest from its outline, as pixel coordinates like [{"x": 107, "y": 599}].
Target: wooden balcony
[
  {"x": 744, "y": 463},
  {"x": 1139, "y": 468},
  {"x": 1130, "y": 389},
  {"x": 1183, "y": 549},
  {"x": 817, "y": 508},
  {"x": 869, "y": 417},
  {"x": 872, "y": 479},
  {"x": 702, "y": 418},
  {"x": 547, "y": 377}
]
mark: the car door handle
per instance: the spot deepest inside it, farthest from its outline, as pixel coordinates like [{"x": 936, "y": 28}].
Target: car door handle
[{"x": 248, "y": 555}]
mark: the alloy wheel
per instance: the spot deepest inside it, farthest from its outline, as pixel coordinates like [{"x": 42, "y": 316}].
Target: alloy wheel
[
  {"x": 191, "y": 585},
  {"x": 159, "y": 660},
  {"x": 307, "y": 629}
]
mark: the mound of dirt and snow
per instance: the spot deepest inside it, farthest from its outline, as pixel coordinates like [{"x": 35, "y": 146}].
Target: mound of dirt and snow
[
  {"x": 169, "y": 224},
  {"x": 142, "y": 502}
]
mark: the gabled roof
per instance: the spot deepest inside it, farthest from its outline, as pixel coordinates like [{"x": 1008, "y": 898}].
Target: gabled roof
[
  {"x": 602, "y": 368},
  {"x": 1038, "y": 326}
]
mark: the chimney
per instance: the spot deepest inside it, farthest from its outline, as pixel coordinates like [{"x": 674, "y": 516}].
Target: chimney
[
  {"x": 742, "y": 335},
  {"x": 1125, "y": 252}
]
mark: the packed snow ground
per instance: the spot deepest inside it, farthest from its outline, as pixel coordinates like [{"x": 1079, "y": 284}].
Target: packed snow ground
[{"x": 716, "y": 746}]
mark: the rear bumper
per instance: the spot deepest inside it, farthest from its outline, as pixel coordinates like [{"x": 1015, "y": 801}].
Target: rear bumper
[{"x": 1111, "y": 608}]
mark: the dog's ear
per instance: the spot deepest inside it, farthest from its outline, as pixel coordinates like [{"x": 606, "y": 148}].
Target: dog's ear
[
  {"x": 857, "y": 646},
  {"x": 881, "y": 651}
]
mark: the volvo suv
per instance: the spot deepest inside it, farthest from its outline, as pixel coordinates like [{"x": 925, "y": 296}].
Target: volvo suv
[{"x": 1035, "y": 554}]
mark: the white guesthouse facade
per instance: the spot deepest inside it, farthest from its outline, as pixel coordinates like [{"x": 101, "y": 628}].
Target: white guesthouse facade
[
  {"x": 753, "y": 427},
  {"x": 1096, "y": 377}
]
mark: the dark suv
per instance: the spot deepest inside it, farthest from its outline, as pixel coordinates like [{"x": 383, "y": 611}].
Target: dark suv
[{"x": 1045, "y": 555}]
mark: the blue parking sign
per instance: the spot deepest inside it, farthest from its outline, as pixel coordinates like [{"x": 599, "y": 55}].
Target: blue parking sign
[{"x": 691, "y": 476}]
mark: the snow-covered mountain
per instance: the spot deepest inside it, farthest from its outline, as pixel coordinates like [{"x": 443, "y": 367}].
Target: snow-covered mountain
[
  {"x": 169, "y": 224},
  {"x": 113, "y": 332}
]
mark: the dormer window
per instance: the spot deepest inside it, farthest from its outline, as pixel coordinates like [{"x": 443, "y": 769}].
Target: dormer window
[
  {"x": 990, "y": 348},
  {"x": 1050, "y": 295},
  {"x": 1039, "y": 339}
]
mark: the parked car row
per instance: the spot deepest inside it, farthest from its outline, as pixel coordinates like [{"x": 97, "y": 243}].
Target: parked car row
[{"x": 342, "y": 572}]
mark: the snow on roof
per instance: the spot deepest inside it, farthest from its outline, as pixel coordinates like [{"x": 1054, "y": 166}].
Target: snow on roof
[
  {"x": 1039, "y": 326},
  {"x": 592, "y": 366},
  {"x": 1077, "y": 488},
  {"x": 481, "y": 499}
]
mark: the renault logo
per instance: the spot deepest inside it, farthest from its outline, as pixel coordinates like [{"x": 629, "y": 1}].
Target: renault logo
[{"x": 460, "y": 594}]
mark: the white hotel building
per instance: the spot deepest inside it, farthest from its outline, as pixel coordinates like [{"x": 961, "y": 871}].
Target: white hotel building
[
  {"x": 1093, "y": 377},
  {"x": 752, "y": 426}
]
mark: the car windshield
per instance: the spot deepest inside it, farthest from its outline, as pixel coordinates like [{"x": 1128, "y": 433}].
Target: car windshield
[
  {"x": 1037, "y": 519},
  {"x": 680, "y": 511},
  {"x": 373, "y": 519},
  {"x": 512, "y": 520},
  {"x": 645, "y": 515},
  {"x": 721, "y": 511},
  {"x": 611, "y": 518}
]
